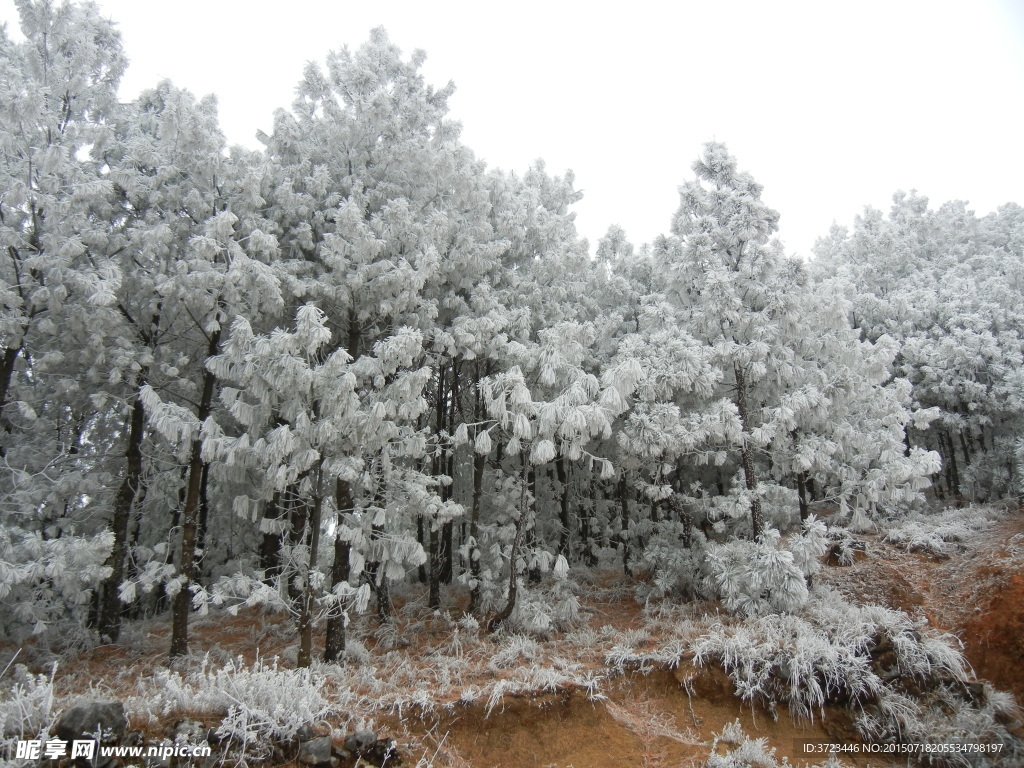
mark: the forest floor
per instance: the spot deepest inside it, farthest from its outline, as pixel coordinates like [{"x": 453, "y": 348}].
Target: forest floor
[{"x": 605, "y": 694}]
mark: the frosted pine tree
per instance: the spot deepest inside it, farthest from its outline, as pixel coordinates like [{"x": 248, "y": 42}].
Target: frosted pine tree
[
  {"x": 945, "y": 286},
  {"x": 738, "y": 295},
  {"x": 58, "y": 95},
  {"x": 316, "y": 421},
  {"x": 366, "y": 224}
]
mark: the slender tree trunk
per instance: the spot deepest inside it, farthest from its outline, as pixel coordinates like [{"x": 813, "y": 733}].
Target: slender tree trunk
[
  {"x": 306, "y": 613},
  {"x": 270, "y": 546},
  {"x": 434, "y": 588},
  {"x": 298, "y": 535},
  {"x": 204, "y": 509},
  {"x": 383, "y": 589},
  {"x": 966, "y": 448},
  {"x": 563, "y": 507},
  {"x": 182, "y": 604},
  {"x": 534, "y": 573},
  {"x": 952, "y": 471},
  {"x": 344, "y": 500},
  {"x": 378, "y": 574},
  {"x": 746, "y": 455},
  {"x": 421, "y": 538},
  {"x": 517, "y": 545},
  {"x": 6, "y": 377},
  {"x": 801, "y": 490},
  {"x": 109, "y": 619},
  {"x": 334, "y": 645},
  {"x": 684, "y": 517},
  {"x": 479, "y": 464},
  {"x": 624, "y": 518}
]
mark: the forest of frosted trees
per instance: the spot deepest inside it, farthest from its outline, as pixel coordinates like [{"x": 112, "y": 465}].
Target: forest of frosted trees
[{"x": 300, "y": 376}]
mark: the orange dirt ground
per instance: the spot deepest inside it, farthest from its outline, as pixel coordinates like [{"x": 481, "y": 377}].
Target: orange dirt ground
[{"x": 977, "y": 594}]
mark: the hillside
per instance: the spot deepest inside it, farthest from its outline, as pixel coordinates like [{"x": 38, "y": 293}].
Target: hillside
[{"x": 628, "y": 684}]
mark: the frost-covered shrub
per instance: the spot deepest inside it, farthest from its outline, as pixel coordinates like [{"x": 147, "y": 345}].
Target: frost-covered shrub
[
  {"x": 844, "y": 546},
  {"x": 514, "y": 651},
  {"x": 830, "y": 651},
  {"x": 675, "y": 569},
  {"x": 914, "y": 537},
  {"x": 787, "y": 659},
  {"x": 948, "y": 714},
  {"x": 749, "y": 577},
  {"x": 47, "y": 583},
  {"x": 750, "y": 753},
  {"x": 551, "y": 606},
  {"x": 261, "y": 702},
  {"x": 935, "y": 533},
  {"x": 903, "y": 684},
  {"x": 26, "y": 708},
  {"x": 754, "y": 577}
]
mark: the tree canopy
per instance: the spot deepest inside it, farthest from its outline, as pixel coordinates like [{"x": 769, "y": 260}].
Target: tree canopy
[{"x": 359, "y": 357}]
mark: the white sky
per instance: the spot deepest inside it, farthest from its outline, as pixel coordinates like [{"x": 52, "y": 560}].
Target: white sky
[{"x": 830, "y": 106}]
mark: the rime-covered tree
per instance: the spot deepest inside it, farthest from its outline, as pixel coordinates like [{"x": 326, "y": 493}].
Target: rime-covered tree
[
  {"x": 737, "y": 294},
  {"x": 375, "y": 202},
  {"x": 58, "y": 93},
  {"x": 945, "y": 286}
]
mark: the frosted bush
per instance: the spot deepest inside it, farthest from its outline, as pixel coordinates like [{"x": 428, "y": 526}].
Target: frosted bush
[
  {"x": 262, "y": 702},
  {"x": 787, "y": 659},
  {"x": 750, "y": 753},
  {"x": 543, "y": 610},
  {"x": 947, "y": 717},
  {"x": 675, "y": 570},
  {"x": 824, "y": 653},
  {"x": 755, "y": 577},
  {"x": 46, "y": 584},
  {"x": 514, "y": 650},
  {"x": 933, "y": 533},
  {"x": 26, "y": 708}
]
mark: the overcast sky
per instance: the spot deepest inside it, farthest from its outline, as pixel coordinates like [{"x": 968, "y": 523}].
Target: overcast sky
[{"x": 830, "y": 106}]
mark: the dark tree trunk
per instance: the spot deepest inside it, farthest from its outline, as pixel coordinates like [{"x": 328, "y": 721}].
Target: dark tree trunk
[
  {"x": 966, "y": 448},
  {"x": 801, "y": 490},
  {"x": 110, "y": 607},
  {"x": 479, "y": 464},
  {"x": 952, "y": 471},
  {"x": 517, "y": 545},
  {"x": 380, "y": 580},
  {"x": 563, "y": 507},
  {"x": 182, "y": 604},
  {"x": 684, "y": 517},
  {"x": 533, "y": 574},
  {"x": 435, "y": 554},
  {"x": 204, "y": 511},
  {"x": 270, "y": 545},
  {"x": 421, "y": 538},
  {"x": 747, "y": 457},
  {"x": 6, "y": 377},
  {"x": 624, "y": 518},
  {"x": 306, "y": 615},
  {"x": 344, "y": 500},
  {"x": 434, "y": 588},
  {"x": 334, "y": 646}
]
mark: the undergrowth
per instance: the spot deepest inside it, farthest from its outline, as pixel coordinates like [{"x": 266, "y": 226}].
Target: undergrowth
[{"x": 900, "y": 681}]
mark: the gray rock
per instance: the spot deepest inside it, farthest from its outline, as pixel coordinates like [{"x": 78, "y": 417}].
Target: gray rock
[
  {"x": 305, "y": 733},
  {"x": 316, "y": 751},
  {"x": 360, "y": 741},
  {"x": 88, "y": 719}
]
